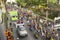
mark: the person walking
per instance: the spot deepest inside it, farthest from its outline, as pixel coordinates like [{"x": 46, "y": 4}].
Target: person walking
[
  {"x": 43, "y": 35},
  {"x": 8, "y": 34}
]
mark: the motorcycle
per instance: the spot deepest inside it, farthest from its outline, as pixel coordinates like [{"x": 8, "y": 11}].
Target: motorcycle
[
  {"x": 30, "y": 28},
  {"x": 36, "y": 34},
  {"x": 52, "y": 39}
]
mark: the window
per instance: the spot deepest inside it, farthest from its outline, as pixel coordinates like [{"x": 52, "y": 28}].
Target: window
[
  {"x": 16, "y": 16},
  {"x": 13, "y": 16},
  {"x": 22, "y": 28}
]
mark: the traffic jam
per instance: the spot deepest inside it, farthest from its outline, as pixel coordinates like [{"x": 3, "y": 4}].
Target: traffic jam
[{"x": 41, "y": 28}]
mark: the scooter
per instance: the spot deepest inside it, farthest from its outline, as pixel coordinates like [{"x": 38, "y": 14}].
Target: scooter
[
  {"x": 52, "y": 38},
  {"x": 36, "y": 34},
  {"x": 30, "y": 28}
]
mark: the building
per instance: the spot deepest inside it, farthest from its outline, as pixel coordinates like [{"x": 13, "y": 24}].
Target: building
[
  {"x": 11, "y": 1},
  {"x": 58, "y": 1}
]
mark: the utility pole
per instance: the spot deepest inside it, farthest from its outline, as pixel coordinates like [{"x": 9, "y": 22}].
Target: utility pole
[
  {"x": 47, "y": 12},
  {"x": 9, "y": 15},
  {"x": 46, "y": 17},
  {"x": 6, "y": 12}
]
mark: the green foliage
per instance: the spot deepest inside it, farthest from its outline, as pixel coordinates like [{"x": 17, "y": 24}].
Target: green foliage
[
  {"x": 21, "y": 2},
  {"x": 13, "y": 3},
  {"x": 9, "y": 2},
  {"x": 53, "y": 15},
  {"x": 52, "y": 1},
  {"x": 31, "y": 2},
  {"x": 38, "y": 4}
]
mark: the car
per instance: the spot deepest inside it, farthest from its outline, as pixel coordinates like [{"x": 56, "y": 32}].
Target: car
[
  {"x": 21, "y": 24},
  {"x": 36, "y": 34},
  {"x": 22, "y": 31},
  {"x": 18, "y": 24}
]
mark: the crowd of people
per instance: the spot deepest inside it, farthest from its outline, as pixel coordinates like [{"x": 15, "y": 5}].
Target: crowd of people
[{"x": 40, "y": 28}]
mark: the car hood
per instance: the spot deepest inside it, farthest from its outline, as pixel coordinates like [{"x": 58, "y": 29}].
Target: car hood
[{"x": 23, "y": 32}]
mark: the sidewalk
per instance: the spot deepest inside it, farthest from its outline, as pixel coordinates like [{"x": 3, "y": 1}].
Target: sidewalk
[{"x": 2, "y": 32}]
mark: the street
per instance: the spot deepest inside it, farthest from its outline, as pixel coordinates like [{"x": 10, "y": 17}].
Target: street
[
  {"x": 30, "y": 34},
  {"x": 29, "y": 20},
  {"x": 2, "y": 33}
]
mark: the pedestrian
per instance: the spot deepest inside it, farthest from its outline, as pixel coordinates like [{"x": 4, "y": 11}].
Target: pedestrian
[
  {"x": 46, "y": 32},
  {"x": 49, "y": 24},
  {"x": 10, "y": 24},
  {"x": 41, "y": 21},
  {"x": 43, "y": 35},
  {"x": 9, "y": 35},
  {"x": 48, "y": 36},
  {"x": 7, "y": 18},
  {"x": 6, "y": 33},
  {"x": 56, "y": 35}
]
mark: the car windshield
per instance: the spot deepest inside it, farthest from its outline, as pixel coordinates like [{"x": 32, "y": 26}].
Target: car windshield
[
  {"x": 22, "y": 28},
  {"x": 13, "y": 16}
]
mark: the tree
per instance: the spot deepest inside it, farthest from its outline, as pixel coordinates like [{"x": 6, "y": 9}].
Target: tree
[
  {"x": 13, "y": 3},
  {"x": 21, "y": 2},
  {"x": 52, "y": 1},
  {"x": 38, "y": 4},
  {"x": 53, "y": 15},
  {"x": 31, "y": 2}
]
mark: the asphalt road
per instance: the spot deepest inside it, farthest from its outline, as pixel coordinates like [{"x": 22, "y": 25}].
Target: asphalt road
[
  {"x": 2, "y": 35},
  {"x": 29, "y": 37},
  {"x": 30, "y": 34}
]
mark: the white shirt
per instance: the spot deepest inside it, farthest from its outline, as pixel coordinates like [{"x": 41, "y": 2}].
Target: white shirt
[
  {"x": 41, "y": 20},
  {"x": 43, "y": 34}
]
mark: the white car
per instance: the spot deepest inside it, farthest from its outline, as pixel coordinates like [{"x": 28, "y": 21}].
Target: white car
[
  {"x": 22, "y": 31},
  {"x": 20, "y": 24}
]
